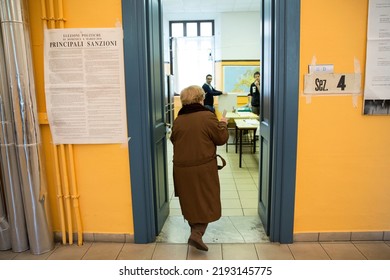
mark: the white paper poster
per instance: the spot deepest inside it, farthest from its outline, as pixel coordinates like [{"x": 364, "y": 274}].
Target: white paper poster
[
  {"x": 377, "y": 83},
  {"x": 84, "y": 84}
]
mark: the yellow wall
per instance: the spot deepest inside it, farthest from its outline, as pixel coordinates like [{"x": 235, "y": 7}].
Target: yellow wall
[
  {"x": 102, "y": 171},
  {"x": 343, "y": 178}
]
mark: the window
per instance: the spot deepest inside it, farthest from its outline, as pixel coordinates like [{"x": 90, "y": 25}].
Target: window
[
  {"x": 176, "y": 30},
  {"x": 191, "y": 51},
  {"x": 192, "y": 28},
  {"x": 207, "y": 28}
]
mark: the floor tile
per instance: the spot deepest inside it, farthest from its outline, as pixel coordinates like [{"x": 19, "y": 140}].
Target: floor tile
[
  {"x": 27, "y": 255},
  {"x": 227, "y": 181},
  {"x": 248, "y": 194},
  {"x": 229, "y": 187},
  {"x": 273, "y": 251},
  {"x": 214, "y": 253},
  {"x": 174, "y": 203},
  {"x": 170, "y": 252},
  {"x": 246, "y": 187},
  {"x": 239, "y": 252},
  {"x": 222, "y": 231},
  {"x": 8, "y": 255},
  {"x": 231, "y": 203},
  {"x": 374, "y": 250},
  {"x": 131, "y": 251},
  {"x": 70, "y": 252},
  {"x": 250, "y": 228},
  {"x": 175, "y": 212},
  {"x": 249, "y": 202},
  {"x": 308, "y": 251},
  {"x": 103, "y": 251},
  {"x": 342, "y": 251},
  {"x": 244, "y": 175},
  {"x": 175, "y": 230},
  {"x": 225, "y": 174},
  {"x": 229, "y": 194},
  {"x": 250, "y": 211},
  {"x": 247, "y": 180},
  {"x": 232, "y": 212}
]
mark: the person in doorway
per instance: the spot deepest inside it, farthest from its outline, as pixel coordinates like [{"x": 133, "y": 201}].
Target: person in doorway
[
  {"x": 210, "y": 93},
  {"x": 196, "y": 133},
  {"x": 254, "y": 94}
]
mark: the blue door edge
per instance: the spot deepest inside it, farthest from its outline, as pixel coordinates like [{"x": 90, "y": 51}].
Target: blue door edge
[
  {"x": 285, "y": 125},
  {"x": 134, "y": 16}
]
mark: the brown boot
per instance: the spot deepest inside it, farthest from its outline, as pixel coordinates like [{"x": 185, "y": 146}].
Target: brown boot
[
  {"x": 197, "y": 231},
  {"x": 197, "y": 242}
]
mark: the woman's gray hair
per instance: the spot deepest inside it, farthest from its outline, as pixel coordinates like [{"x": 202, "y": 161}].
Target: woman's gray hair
[{"x": 192, "y": 94}]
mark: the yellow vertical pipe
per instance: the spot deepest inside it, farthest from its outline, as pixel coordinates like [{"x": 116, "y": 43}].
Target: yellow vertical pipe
[
  {"x": 60, "y": 13},
  {"x": 51, "y": 14},
  {"x": 59, "y": 193},
  {"x": 74, "y": 193},
  {"x": 75, "y": 196},
  {"x": 43, "y": 12},
  {"x": 66, "y": 192},
  {"x": 55, "y": 154}
]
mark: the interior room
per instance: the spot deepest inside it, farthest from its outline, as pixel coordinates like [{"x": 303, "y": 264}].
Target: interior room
[{"x": 227, "y": 49}]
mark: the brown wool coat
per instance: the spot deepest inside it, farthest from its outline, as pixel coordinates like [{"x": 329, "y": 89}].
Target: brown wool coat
[{"x": 195, "y": 172}]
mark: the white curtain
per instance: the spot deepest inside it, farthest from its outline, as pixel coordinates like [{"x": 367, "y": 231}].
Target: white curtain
[{"x": 193, "y": 59}]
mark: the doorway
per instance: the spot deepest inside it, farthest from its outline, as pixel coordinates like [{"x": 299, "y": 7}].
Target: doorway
[
  {"x": 191, "y": 41},
  {"x": 143, "y": 53}
]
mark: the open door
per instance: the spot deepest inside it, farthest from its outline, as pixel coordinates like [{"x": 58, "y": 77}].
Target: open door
[
  {"x": 145, "y": 102},
  {"x": 265, "y": 141},
  {"x": 158, "y": 112},
  {"x": 280, "y": 27}
]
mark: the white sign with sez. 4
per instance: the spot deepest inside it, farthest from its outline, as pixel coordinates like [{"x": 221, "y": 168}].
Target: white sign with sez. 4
[{"x": 327, "y": 83}]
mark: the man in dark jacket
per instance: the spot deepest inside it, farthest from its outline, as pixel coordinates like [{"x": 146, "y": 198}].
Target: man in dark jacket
[
  {"x": 210, "y": 93},
  {"x": 254, "y": 94}
]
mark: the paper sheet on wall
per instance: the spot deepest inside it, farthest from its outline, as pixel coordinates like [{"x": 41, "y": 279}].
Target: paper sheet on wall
[
  {"x": 84, "y": 84},
  {"x": 377, "y": 82}
]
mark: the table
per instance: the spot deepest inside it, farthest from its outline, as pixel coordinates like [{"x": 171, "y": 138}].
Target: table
[
  {"x": 249, "y": 125},
  {"x": 236, "y": 116},
  {"x": 241, "y": 115}
]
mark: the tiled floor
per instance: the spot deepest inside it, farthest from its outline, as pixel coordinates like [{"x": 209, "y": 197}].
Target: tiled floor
[
  {"x": 375, "y": 250},
  {"x": 238, "y": 235}
]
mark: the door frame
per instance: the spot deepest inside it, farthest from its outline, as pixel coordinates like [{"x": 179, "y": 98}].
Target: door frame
[
  {"x": 285, "y": 118},
  {"x": 139, "y": 121},
  {"x": 285, "y": 122}
]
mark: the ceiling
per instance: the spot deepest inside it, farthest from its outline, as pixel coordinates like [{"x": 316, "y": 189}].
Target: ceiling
[{"x": 210, "y": 6}]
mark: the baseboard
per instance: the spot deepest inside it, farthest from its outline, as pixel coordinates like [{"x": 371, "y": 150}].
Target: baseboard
[
  {"x": 97, "y": 237},
  {"x": 342, "y": 236}
]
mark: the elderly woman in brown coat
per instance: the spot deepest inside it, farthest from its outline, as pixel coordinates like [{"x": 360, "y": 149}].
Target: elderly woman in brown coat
[{"x": 195, "y": 134}]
